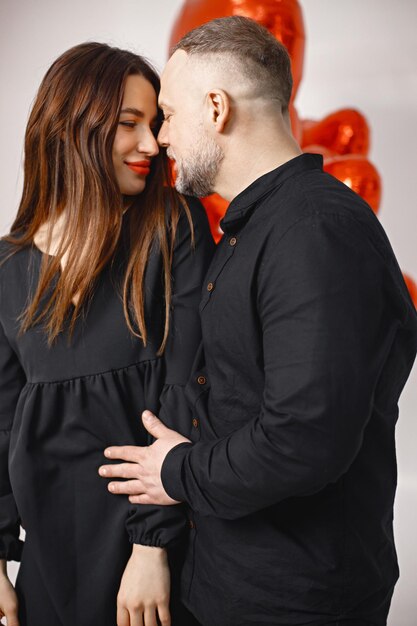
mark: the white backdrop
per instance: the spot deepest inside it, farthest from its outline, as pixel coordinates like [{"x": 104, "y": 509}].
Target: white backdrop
[{"x": 358, "y": 54}]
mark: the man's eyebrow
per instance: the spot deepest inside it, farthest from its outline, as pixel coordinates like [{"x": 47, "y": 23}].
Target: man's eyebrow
[{"x": 133, "y": 111}]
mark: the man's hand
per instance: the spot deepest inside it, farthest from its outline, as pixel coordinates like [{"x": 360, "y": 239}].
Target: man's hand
[{"x": 143, "y": 467}]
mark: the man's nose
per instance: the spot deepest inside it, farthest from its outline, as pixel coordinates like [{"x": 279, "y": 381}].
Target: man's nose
[{"x": 163, "y": 137}]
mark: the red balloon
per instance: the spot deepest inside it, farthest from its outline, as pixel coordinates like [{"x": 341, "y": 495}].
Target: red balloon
[
  {"x": 216, "y": 207},
  {"x": 358, "y": 174},
  {"x": 412, "y": 288},
  {"x": 283, "y": 18},
  {"x": 317, "y": 149},
  {"x": 343, "y": 132}
]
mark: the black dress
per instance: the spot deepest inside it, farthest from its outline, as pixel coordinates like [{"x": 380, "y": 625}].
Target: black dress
[{"x": 60, "y": 407}]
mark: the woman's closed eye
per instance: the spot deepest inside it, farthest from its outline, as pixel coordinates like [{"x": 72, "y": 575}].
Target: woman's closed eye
[{"x": 127, "y": 124}]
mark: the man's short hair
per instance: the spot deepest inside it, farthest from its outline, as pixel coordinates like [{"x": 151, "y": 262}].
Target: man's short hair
[{"x": 260, "y": 57}]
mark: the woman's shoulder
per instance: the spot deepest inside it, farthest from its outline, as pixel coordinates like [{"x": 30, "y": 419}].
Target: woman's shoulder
[
  {"x": 186, "y": 205},
  {"x": 196, "y": 209},
  {"x": 203, "y": 237},
  {"x": 192, "y": 218},
  {"x": 193, "y": 241},
  {"x": 12, "y": 254}
]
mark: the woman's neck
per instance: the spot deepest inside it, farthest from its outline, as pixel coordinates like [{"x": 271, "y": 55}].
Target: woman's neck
[{"x": 48, "y": 237}]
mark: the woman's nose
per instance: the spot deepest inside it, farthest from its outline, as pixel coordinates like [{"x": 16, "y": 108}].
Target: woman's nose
[{"x": 148, "y": 144}]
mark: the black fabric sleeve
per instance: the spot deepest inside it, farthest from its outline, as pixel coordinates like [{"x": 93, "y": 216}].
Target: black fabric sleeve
[
  {"x": 12, "y": 379},
  {"x": 325, "y": 331},
  {"x": 162, "y": 526}
]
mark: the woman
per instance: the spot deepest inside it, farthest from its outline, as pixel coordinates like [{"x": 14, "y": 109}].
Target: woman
[{"x": 99, "y": 289}]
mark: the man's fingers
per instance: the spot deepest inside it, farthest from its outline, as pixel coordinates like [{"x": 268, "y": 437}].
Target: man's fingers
[
  {"x": 120, "y": 470},
  {"x": 154, "y": 426},
  {"x": 129, "y": 487},
  {"x": 125, "y": 453},
  {"x": 142, "y": 498}
]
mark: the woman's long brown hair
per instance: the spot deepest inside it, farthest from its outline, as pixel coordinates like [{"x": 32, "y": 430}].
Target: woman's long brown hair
[{"x": 69, "y": 174}]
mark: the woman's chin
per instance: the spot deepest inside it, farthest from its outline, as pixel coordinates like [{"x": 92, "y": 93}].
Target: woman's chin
[{"x": 133, "y": 190}]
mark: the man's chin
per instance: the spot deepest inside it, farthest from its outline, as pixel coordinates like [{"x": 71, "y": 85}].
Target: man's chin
[
  {"x": 187, "y": 192},
  {"x": 185, "y": 189}
]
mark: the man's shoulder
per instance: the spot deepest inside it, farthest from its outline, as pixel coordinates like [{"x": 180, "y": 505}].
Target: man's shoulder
[{"x": 318, "y": 199}]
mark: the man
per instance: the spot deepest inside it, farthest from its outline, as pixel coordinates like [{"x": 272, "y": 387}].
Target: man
[{"x": 309, "y": 335}]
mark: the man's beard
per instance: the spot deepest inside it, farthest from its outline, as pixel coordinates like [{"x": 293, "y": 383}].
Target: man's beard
[{"x": 196, "y": 175}]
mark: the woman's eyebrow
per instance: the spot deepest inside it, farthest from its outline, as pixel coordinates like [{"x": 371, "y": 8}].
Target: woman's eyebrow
[{"x": 133, "y": 111}]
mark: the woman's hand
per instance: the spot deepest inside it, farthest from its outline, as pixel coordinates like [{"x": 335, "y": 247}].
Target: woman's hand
[
  {"x": 8, "y": 598},
  {"x": 144, "y": 589}
]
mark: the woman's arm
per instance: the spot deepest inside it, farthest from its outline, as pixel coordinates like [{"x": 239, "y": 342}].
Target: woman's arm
[
  {"x": 145, "y": 588},
  {"x": 12, "y": 379},
  {"x": 8, "y": 598}
]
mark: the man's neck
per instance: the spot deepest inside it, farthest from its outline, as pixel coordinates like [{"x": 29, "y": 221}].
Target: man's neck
[{"x": 241, "y": 167}]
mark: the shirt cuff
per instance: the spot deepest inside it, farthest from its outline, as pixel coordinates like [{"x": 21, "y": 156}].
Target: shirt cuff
[
  {"x": 172, "y": 471},
  {"x": 10, "y": 548}
]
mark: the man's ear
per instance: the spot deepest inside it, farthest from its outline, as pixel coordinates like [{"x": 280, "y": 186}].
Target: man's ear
[{"x": 218, "y": 104}]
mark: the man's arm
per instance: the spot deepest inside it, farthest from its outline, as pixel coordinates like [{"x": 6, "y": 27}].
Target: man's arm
[{"x": 327, "y": 329}]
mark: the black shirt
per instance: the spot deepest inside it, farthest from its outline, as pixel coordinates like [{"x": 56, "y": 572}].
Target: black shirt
[{"x": 309, "y": 336}]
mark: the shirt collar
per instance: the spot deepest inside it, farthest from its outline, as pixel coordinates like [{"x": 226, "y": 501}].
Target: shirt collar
[{"x": 244, "y": 201}]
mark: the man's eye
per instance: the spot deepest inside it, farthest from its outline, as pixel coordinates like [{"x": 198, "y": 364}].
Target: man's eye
[
  {"x": 167, "y": 118},
  {"x": 128, "y": 124}
]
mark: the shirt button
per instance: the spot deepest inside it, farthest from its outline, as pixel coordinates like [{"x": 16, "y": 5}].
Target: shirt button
[
  {"x": 232, "y": 241},
  {"x": 201, "y": 380},
  {"x": 210, "y": 287},
  {"x": 191, "y": 524},
  {"x": 195, "y": 423}
]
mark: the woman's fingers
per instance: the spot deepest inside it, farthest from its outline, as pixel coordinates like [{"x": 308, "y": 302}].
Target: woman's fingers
[
  {"x": 126, "y": 617},
  {"x": 150, "y": 617},
  {"x": 123, "y": 618},
  {"x": 137, "y": 618},
  {"x": 11, "y": 616},
  {"x": 164, "y": 615}
]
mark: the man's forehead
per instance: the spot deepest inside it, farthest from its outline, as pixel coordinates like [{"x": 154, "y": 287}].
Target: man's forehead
[
  {"x": 197, "y": 74},
  {"x": 174, "y": 77},
  {"x": 176, "y": 66}
]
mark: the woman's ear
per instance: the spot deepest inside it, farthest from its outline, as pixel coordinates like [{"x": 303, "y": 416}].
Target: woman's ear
[{"x": 218, "y": 104}]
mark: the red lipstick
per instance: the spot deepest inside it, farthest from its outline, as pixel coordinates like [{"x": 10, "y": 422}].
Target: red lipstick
[{"x": 139, "y": 167}]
